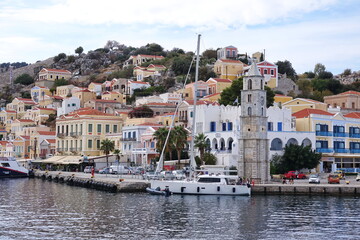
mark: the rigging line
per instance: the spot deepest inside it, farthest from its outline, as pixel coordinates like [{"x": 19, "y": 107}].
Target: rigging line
[{"x": 173, "y": 118}]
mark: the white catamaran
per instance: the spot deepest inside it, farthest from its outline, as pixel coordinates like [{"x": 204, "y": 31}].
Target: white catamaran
[{"x": 208, "y": 184}]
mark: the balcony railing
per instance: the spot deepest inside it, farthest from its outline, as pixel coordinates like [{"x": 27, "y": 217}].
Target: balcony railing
[
  {"x": 324, "y": 150},
  {"x": 340, "y": 134},
  {"x": 60, "y": 149},
  {"x": 341, "y": 150},
  {"x": 354, "y": 150},
  {"x": 75, "y": 149},
  {"x": 354, "y": 135},
  {"x": 75, "y": 134},
  {"x": 61, "y": 135},
  {"x": 318, "y": 133},
  {"x": 128, "y": 139}
]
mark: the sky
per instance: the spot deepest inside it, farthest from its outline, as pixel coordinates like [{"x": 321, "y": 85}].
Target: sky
[{"x": 304, "y": 32}]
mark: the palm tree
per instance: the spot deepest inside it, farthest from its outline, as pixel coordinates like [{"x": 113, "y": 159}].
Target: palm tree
[
  {"x": 107, "y": 146},
  {"x": 117, "y": 152},
  {"x": 201, "y": 144},
  {"x": 160, "y": 137},
  {"x": 179, "y": 139}
]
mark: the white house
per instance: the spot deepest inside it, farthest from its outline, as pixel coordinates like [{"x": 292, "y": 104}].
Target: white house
[
  {"x": 132, "y": 85},
  {"x": 68, "y": 105}
]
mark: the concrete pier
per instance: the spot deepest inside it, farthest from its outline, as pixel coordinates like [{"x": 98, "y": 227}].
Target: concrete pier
[{"x": 111, "y": 183}]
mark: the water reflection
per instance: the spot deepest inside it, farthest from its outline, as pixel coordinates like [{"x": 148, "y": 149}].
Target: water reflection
[{"x": 36, "y": 209}]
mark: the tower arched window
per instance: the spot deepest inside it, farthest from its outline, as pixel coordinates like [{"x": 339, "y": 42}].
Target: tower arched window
[
  {"x": 249, "y": 111},
  {"x": 249, "y": 84},
  {"x": 249, "y": 98},
  {"x": 262, "y": 111},
  {"x": 262, "y": 85}
]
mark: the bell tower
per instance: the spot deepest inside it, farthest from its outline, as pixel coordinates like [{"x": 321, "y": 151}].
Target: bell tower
[{"x": 253, "y": 143}]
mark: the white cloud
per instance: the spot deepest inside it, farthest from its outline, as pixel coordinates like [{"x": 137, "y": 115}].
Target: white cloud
[{"x": 200, "y": 13}]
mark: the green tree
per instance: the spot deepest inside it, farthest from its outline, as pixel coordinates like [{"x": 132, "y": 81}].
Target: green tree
[
  {"x": 179, "y": 139},
  {"x": 107, "y": 146},
  {"x": 160, "y": 136},
  {"x": 117, "y": 152},
  {"x": 230, "y": 94},
  {"x": 346, "y": 72},
  {"x": 59, "y": 57},
  {"x": 24, "y": 79},
  {"x": 209, "y": 158},
  {"x": 201, "y": 144},
  {"x": 181, "y": 64},
  {"x": 286, "y": 67},
  {"x": 319, "y": 68},
  {"x": 269, "y": 96},
  {"x": 209, "y": 53},
  {"x": 79, "y": 50},
  {"x": 297, "y": 157}
]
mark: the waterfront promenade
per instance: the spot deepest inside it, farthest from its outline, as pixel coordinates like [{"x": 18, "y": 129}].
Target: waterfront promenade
[{"x": 135, "y": 183}]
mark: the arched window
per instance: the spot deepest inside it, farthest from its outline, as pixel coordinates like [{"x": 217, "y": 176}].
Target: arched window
[
  {"x": 249, "y": 98},
  {"x": 249, "y": 84},
  {"x": 261, "y": 86},
  {"x": 249, "y": 111},
  {"x": 262, "y": 111}
]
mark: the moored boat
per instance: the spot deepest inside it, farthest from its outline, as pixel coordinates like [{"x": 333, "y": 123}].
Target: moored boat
[
  {"x": 9, "y": 167},
  {"x": 158, "y": 191},
  {"x": 209, "y": 184}
]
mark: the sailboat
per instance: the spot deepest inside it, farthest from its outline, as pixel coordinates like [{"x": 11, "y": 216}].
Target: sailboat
[{"x": 207, "y": 184}]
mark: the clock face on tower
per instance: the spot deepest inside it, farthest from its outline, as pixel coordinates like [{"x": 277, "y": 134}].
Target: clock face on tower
[{"x": 262, "y": 101}]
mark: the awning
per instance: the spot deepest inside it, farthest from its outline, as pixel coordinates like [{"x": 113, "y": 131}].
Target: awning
[
  {"x": 53, "y": 160},
  {"x": 71, "y": 160}
]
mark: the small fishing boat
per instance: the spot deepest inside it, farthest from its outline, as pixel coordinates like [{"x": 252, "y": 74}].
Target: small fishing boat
[
  {"x": 158, "y": 191},
  {"x": 9, "y": 167}
]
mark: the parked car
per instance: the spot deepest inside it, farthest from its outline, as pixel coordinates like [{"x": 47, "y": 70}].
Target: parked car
[
  {"x": 314, "y": 178},
  {"x": 151, "y": 176},
  {"x": 104, "y": 171},
  {"x": 357, "y": 177},
  {"x": 119, "y": 169},
  {"x": 340, "y": 173},
  {"x": 333, "y": 178},
  {"x": 294, "y": 174},
  {"x": 179, "y": 174},
  {"x": 88, "y": 169},
  {"x": 167, "y": 175}
]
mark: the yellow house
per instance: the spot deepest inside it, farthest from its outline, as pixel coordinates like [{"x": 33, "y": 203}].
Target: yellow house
[
  {"x": 337, "y": 138},
  {"x": 116, "y": 96},
  {"x": 81, "y": 132},
  {"x": 47, "y": 101},
  {"x": 47, "y": 76},
  {"x": 217, "y": 85},
  {"x": 36, "y": 137},
  {"x": 166, "y": 119},
  {"x": 64, "y": 91},
  {"x": 188, "y": 91},
  {"x": 18, "y": 125},
  {"x": 22, "y": 147},
  {"x": 345, "y": 100},
  {"x": 39, "y": 92},
  {"x": 39, "y": 115},
  {"x": 84, "y": 96},
  {"x": 228, "y": 69},
  {"x": 299, "y": 104},
  {"x": 20, "y": 105},
  {"x": 95, "y": 87},
  {"x": 281, "y": 99},
  {"x": 6, "y": 118},
  {"x": 212, "y": 97},
  {"x": 54, "y": 74}
]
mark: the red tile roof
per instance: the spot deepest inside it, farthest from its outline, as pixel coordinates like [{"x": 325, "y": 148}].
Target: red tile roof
[
  {"x": 84, "y": 90},
  {"x": 106, "y": 101},
  {"x": 57, "y": 70},
  {"x": 350, "y": 92},
  {"x": 51, "y": 141},
  {"x": 307, "y": 111},
  {"x": 27, "y": 100},
  {"x": 221, "y": 80},
  {"x": 25, "y": 120},
  {"x": 47, "y": 133},
  {"x": 25, "y": 137},
  {"x": 211, "y": 95},
  {"x": 200, "y": 102},
  {"x": 139, "y": 82},
  {"x": 353, "y": 115},
  {"x": 149, "y": 124},
  {"x": 89, "y": 112},
  {"x": 230, "y": 61}
]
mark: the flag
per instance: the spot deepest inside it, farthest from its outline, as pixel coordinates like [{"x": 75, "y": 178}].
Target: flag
[{"x": 236, "y": 101}]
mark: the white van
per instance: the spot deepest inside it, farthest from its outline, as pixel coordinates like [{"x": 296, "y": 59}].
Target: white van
[{"x": 119, "y": 169}]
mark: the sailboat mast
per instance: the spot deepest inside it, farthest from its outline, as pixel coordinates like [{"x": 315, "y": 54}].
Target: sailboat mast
[{"x": 192, "y": 153}]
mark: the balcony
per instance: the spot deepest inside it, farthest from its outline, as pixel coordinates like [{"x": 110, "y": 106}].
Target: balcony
[
  {"x": 354, "y": 150},
  {"x": 318, "y": 133},
  {"x": 128, "y": 139},
  {"x": 340, "y": 134},
  {"x": 74, "y": 150},
  {"x": 354, "y": 135},
  {"x": 341, "y": 150},
  {"x": 324, "y": 150},
  {"x": 75, "y": 134},
  {"x": 60, "y": 149},
  {"x": 61, "y": 135},
  {"x": 183, "y": 120}
]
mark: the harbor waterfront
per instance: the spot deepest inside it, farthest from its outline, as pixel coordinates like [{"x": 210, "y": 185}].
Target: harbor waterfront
[
  {"x": 135, "y": 183},
  {"x": 37, "y": 209}
]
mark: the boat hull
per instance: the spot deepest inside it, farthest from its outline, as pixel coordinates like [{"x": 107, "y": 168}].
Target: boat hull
[
  {"x": 196, "y": 188},
  {"x": 153, "y": 191},
  {"x": 11, "y": 173}
]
